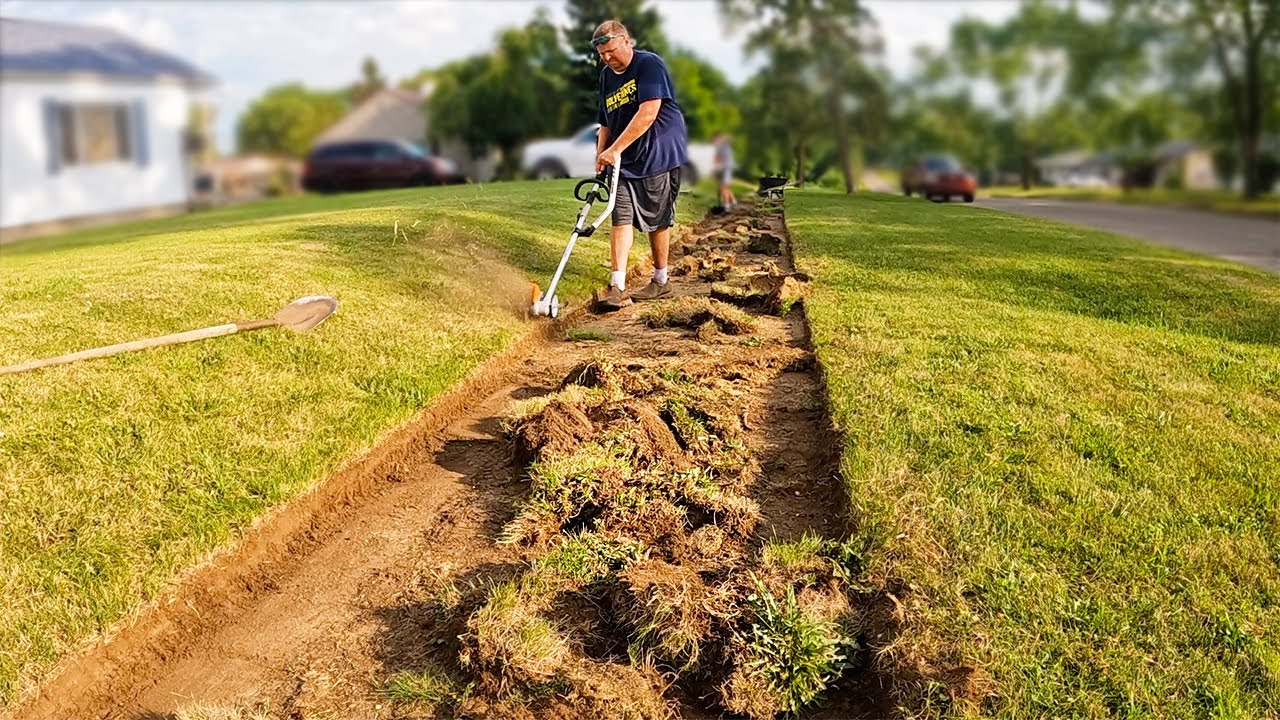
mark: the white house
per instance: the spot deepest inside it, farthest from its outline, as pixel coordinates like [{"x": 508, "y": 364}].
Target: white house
[{"x": 93, "y": 125}]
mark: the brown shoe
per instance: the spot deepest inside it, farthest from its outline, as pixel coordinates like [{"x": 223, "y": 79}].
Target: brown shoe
[
  {"x": 652, "y": 291},
  {"x": 615, "y": 298}
]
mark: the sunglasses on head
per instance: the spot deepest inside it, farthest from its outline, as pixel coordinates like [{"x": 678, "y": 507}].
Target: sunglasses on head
[{"x": 597, "y": 42}]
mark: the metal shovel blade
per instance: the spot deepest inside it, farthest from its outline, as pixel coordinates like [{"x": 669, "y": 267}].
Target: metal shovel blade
[{"x": 305, "y": 313}]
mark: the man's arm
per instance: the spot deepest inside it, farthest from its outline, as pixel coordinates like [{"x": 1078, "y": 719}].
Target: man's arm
[
  {"x": 643, "y": 120},
  {"x": 602, "y": 142}
]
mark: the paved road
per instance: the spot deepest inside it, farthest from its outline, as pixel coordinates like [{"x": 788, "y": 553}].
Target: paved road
[{"x": 1254, "y": 241}]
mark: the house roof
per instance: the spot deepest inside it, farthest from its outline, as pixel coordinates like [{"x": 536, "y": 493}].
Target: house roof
[
  {"x": 59, "y": 48},
  {"x": 1175, "y": 149},
  {"x": 1065, "y": 160},
  {"x": 388, "y": 113}
]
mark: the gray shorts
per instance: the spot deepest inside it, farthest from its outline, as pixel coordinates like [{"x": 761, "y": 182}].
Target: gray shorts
[{"x": 649, "y": 203}]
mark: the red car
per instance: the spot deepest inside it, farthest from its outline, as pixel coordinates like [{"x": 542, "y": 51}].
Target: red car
[
  {"x": 938, "y": 178},
  {"x": 371, "y": 164}
]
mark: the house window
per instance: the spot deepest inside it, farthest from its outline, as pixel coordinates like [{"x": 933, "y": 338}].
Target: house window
[{"x": 94, "y": 133}]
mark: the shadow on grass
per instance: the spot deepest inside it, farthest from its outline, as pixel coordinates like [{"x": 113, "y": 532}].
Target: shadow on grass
[{"x": 983, "y": 255}]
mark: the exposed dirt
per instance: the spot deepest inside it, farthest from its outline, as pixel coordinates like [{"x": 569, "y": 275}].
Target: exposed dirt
[{"x": 392, "y": 566}]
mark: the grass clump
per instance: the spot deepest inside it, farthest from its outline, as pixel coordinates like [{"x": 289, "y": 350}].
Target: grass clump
[
  {"x": 578, "y": 395},
  {"x": 670, "y": 608},
  {"x": 589, "y": 557},
  {"x": 801, "y": 553},
  {"x": 510, "y": 639},
  {"x": 789, "y": 657},
  {"x": 690, "y": 427},
  {"x": 693, "y": 312},
  {"x": 812, "y": 557},
  {"x": 561, "y": 485},
  {"x": 430, "y": 686}
]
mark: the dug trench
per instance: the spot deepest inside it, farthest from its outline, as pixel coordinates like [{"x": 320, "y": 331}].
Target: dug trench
[{"x": 640, "y": 517}]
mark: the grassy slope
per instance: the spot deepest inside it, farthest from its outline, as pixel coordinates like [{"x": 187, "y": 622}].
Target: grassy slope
[
  {"x": 116, "y": 473},
  {"x": 1067, "y": 445},
  {"x": 1217, "y": 200}
]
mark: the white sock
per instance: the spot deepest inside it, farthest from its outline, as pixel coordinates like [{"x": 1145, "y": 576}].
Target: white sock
[
  {"x": 618, "y": 279},
  {"x": 660, "y": 276}
]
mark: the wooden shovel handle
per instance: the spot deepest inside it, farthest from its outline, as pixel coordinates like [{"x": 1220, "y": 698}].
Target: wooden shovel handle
[{"x": 174, "y": 339}]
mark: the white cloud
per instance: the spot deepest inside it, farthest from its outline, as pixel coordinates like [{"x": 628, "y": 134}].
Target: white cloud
[
  {"x": 908, "y": 24},
  {"x": 149, "y": 29},
  {"x": 252, "y": 46}
]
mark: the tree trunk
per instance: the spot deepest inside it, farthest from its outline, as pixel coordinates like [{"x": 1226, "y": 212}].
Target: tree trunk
[
  {"x": 839, "y": 126},
  {"x": 1243, "y": 91},
  {"x": 799, "y": 152},
  {"x": 1249, "y": 167},
  {"x": 1251, "y": 131},
  {"x": 859, "y": 162}
]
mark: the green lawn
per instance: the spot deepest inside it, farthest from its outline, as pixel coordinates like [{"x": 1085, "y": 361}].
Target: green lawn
[
  {"x": 1216, "y": 200},
  {"x": 117, "y": 473},
  {"x": 1063, "y": 450}
]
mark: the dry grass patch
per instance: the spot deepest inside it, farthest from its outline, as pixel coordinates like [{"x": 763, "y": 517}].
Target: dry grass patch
[{"x": 693, "y": 312}]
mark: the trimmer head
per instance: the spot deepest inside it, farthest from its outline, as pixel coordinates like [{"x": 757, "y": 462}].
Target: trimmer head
[{"x": 547, "y": 307}]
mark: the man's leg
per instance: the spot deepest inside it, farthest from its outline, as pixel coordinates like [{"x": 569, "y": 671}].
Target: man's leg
[
  {"x": 662, "y": 216},
  {"x": 620, "y": 239},
  {"x": 660, "y": 245}
]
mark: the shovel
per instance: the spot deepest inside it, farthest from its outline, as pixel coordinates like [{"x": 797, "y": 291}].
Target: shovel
[{"x": 300, "y": 315}]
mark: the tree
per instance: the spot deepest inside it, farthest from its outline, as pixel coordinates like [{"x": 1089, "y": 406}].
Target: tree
[
  {"x": 642, "y": 21},
  {"x": 780, "y": 124},
  {"x": 707, "y": 99},
  {"x": 287, "y": 119},
  {"x": 824, "y": 41},
  {"x": 1025, "y": 59},
  {"x": 371, "y": 81},
  {"x": 506, "y": 97},
  {"x": 1240, "y": 41}
]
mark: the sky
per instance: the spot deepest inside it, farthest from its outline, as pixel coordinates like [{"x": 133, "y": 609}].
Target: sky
[{"x": 251, "y": 46}]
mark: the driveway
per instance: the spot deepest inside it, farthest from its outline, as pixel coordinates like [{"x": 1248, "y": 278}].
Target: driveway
[{"x": 1253, "y": 241}]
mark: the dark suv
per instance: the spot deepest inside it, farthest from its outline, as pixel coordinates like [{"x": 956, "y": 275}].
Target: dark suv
[{"x": 370, "y": 164}]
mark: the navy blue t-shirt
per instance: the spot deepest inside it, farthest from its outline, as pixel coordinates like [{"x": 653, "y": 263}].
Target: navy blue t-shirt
[{"x": 664, "y": 145}]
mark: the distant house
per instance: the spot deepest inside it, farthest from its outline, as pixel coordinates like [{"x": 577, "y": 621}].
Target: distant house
[
  {"x": 1187, "y": 163},
  {"x": 1078, "y": 168},
  {"x": 388, "y": 113},
  {"x": 92, "y": 127},
  {"x": 396, "y": 113}
]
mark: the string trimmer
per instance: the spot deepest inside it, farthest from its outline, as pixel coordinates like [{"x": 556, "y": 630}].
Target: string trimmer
[
  {"x": 601, "y": 187},
  {"x": 300, "y": 315}
]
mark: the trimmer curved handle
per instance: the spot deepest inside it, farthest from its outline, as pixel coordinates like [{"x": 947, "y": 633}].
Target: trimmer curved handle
[
  {"x": 598, "y": 186},
  {"x": 602, "y": 187}
]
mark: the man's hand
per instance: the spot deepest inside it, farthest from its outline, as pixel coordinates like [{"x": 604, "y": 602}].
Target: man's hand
[{"x": 609, "y": 156}]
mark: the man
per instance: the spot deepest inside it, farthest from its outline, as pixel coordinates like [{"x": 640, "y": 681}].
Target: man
[{"x": 642, "y": 134}]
